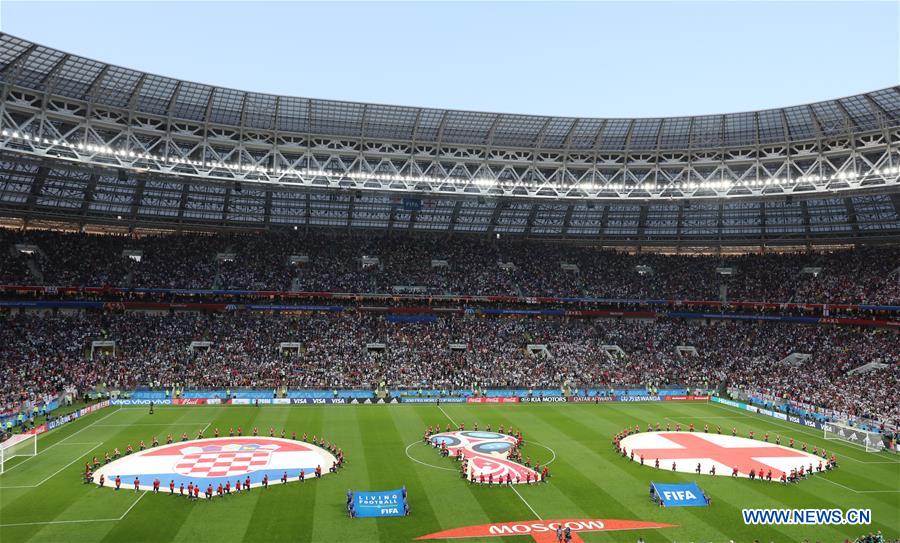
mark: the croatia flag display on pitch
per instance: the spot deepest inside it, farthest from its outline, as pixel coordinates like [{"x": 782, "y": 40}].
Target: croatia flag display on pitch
[
  {"x": 224, "y": 460},
  {"x": 218, "y": 460}
]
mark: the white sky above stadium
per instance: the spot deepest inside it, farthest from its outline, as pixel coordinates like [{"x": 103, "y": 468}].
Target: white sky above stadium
[{"x": 603, "y": 59}]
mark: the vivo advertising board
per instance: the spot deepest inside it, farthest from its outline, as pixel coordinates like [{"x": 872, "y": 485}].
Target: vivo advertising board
[{"x": 139, "y": 401}]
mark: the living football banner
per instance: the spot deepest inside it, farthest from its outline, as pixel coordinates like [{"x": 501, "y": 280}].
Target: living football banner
[
  {"x": 385, "y": 503},
  {"x": 680, "y": 495}
]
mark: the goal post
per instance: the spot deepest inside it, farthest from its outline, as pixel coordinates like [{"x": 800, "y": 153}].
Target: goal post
[
  {"x": 17, "y": 445},
  {"x": 871, "y": 441}
]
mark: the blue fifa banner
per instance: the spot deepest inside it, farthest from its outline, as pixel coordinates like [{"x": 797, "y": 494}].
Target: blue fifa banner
[
  {"x": 387, "y": 503},
  {"x": 680, "y": 495}
]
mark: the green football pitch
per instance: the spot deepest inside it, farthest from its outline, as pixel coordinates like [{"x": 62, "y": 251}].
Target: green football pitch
[{"x": 42, "y": 498}]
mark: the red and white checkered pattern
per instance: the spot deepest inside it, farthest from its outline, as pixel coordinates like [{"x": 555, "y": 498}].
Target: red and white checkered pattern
[{"x": 222, "y": 464}]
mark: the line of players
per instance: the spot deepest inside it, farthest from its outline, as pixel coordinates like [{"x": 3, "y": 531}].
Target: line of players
[
  {"x": 193, "y": 491},
  {"x": 515, "y": 455},
  {"x": 826, "y": 463}
]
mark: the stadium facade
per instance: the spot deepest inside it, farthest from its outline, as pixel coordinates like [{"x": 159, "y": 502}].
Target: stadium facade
[{"x": 87, "y": 143}]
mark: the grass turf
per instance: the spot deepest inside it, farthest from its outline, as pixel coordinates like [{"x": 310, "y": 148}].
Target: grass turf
[{"x": 42, "y": 498}]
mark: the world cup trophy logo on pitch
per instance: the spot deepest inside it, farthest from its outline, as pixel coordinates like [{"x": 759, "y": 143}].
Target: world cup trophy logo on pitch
[{"x": 487, "y": 454}]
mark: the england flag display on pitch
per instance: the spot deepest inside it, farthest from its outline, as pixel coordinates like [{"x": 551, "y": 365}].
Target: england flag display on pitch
[
  {"x": 219, "y": 460},
  {"x": 689, "y": 451}
]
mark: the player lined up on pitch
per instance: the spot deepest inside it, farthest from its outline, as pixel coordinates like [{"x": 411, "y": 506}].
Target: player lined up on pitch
[
  {"x": 792, "y": 475},
  {"x": 192, "y": 490},
  {"x": 486, "y": 456}
]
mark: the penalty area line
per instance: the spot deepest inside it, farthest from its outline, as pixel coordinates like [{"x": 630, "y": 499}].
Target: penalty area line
[
  {"x": 122, "y": 516},
  {"x": 801, "y": 429},
  {"x": 57, "y": 472},
  {"x": 859, "y": 491},
  {"x": 61, "y": 441},
  {"x": 139, "y": 424}
]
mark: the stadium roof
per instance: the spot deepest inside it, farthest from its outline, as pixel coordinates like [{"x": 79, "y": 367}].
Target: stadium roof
[
  {"x": 89, "y": 143},
  {"x": 28, "y": 65}
]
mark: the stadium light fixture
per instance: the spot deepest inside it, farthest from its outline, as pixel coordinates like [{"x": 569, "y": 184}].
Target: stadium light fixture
[{"x": 480, "y": 181}]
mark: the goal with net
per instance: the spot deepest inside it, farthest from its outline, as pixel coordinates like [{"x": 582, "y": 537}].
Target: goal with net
[
  {"x": 871, "y": 441},
  {"x": 17, "y": 445}
]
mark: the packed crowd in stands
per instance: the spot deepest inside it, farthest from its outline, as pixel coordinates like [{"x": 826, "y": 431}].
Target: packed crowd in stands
[
  {"x": 44, "y": 353},
  {"x": 262, "y": 262}
]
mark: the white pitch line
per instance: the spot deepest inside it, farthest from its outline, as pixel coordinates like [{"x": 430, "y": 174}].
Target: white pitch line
[
  {"x": 840, "y": 485},
  {"x": 132, "y": 505},
  {"x": 858, "y": 491},
  {"x": 446, "y": 415},
  {"x": 424, "y": 463},
  {"x": 824, "y": 478},
  {"x": 55, "y": 473},
  {"x": 58, "y": 522},
  {"x": 61, "y": 441},
  {"x": 676, "y": 421},
  {"x": 548, "y": 462},
  {"x": 454, "y": 424},
  {"x": 802, "y": 430},
  {"x": 138, "y": 424},
  {"x": 876, "y": 491},
  {"x": 122, "y": 516},
  {"x": 526, "y": 503}
]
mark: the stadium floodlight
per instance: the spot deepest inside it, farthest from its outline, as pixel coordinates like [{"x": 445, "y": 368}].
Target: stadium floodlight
[
  {"x": 17, "y": 445},
  {"x": 871, "y": 441},
  {"x": 482, "y": 182}
]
